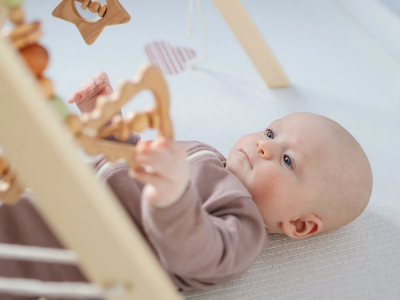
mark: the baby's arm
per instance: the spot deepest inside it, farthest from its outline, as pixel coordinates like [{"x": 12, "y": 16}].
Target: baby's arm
[
  {"x": 168, "y": 176},
  {"x": 209, "y": 243},
  {"x": 86, "y": 96}
]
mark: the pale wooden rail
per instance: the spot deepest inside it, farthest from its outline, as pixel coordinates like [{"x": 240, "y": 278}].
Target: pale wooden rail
[
  {"x": 83, "y": 213},
  {"x": 252, "y": 42}
]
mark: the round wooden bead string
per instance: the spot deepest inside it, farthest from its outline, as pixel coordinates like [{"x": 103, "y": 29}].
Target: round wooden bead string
[
  {"x": 121, "y": 128},
  {"x": 24, "y": 37},
  {"x": 94, "y": 7}
]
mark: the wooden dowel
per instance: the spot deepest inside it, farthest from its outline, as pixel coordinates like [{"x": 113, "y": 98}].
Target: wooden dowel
[
  {"x": 84, "y": 214},
  {"x": 252, "y": 42}
]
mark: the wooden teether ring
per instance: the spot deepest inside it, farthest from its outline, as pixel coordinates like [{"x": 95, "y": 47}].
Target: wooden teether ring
[
  {"x": 148, "y": 78},
  {"x": 112, "y": 14}
]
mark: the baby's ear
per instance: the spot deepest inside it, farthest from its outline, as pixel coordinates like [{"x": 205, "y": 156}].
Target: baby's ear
[{"x": 302, "y": 227}]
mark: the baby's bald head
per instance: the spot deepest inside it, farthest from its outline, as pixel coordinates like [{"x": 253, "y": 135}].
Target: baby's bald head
[{"x": 346, "y": 183}]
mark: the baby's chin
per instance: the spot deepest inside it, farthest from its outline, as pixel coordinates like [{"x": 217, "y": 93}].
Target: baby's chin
[{"x": 237, "y": 169}]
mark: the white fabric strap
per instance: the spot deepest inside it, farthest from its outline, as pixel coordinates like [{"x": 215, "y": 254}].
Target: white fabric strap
[
  {"x": 70, "y": 290},
  {"x": 107, "y": 165},
  {"x": 30, "y": 253},
  {"x": 199, "y": 153}
]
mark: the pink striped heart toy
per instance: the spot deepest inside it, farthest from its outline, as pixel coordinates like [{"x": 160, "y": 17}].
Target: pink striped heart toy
[{"x": 169, "y": 60}]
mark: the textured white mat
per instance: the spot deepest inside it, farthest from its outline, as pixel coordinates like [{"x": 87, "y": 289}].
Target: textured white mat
[{"x": 337, "y": 69}]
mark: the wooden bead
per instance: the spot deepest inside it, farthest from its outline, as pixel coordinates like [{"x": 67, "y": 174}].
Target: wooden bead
[
  {"x": 102, "y": 10},
  {"x": 24, "y": 30},
  {"x": 74, "y": 123},
  {"x": 17, "y": 16},
  {"x": 140, "y": 122},
  {"x": 11, "y": 190},
  {"x": 36, "y": 58},
  {"x": 27, "y": 40},
  {"x": 85, "y": 4},
  {"x": 3, "y": 165},
  {"x": 47, "y": 87},
  {"x": 123, "y": 130},
  {"x": 94, "y": 6},
  {"x": 154, "y": 119}
]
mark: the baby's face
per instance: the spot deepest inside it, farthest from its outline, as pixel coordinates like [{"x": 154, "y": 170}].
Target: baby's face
[{"x": 281, "y": 166}]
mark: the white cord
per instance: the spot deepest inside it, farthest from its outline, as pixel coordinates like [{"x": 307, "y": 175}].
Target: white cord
[
  {"x": 29, "y": 287},
  {"x": 190, "y": 13},
  {"x": 38, "y": 254},
  {"x": 203, "y": 26}
]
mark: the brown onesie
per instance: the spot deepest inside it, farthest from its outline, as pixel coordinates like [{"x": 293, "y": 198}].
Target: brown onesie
[{"x": 211, "y": 235}]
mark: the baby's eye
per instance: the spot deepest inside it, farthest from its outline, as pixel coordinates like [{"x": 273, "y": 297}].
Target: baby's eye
[
  {"x": 269, "y": 134},
  {"x": 287, "y": 160}
]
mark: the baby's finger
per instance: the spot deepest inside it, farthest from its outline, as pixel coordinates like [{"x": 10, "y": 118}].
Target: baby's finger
[
  {"x": 163, "y": 164},
  {"x": 151, "y": 178},
  {"x": 74, "y": 97},
  {"x": 160, "y": 142},
  {"x": 153, "y": 157},
  {"x": 164, "y": 144},
  {"x": 87, "y": 87},
  {"x": 106, "y": 91},
  {"x": 142, "y": 147},
  {"x": 178, "y": 148},
  {"x": 100, "y": 78}
]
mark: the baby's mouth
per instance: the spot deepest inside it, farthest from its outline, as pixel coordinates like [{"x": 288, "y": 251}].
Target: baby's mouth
[{"x": 247, "y": 157}]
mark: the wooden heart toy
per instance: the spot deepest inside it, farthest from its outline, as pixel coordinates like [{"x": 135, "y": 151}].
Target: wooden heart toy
[{"x": 93, "y": 128}]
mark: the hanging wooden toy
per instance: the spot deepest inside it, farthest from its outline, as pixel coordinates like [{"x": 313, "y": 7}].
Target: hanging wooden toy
[
  {"x": 111, "y": 13},
  {"x": 10, "y": 188},
  {"x": 89, "y": 129}
]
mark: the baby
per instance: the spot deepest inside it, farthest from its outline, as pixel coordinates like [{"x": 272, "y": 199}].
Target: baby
[
  {"x": 208, "y": 217},
  {"x": 304, "y": 174}
]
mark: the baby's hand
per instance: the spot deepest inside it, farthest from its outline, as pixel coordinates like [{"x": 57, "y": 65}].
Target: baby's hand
[
  {"x": 86, "y": 97},
  {"x": 166, "y": 174}
]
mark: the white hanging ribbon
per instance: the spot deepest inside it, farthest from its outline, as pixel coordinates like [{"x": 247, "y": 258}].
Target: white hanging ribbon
[{"x": 203, "y": 26}]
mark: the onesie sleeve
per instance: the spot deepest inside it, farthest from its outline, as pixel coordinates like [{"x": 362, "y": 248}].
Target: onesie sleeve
[{"x": 204, "y": 247}]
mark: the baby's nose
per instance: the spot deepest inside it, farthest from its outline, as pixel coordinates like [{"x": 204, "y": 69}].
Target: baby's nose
[{"x": 264, "y": 150}]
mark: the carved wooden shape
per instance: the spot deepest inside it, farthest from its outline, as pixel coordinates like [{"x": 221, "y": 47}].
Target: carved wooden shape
[
  {"x": 148, "y": 78},
  {"x": 90, "y": 30}
]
